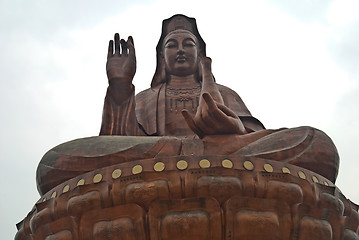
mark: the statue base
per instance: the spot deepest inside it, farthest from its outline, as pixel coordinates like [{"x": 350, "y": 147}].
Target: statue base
[{"x": 194, "y": 197}]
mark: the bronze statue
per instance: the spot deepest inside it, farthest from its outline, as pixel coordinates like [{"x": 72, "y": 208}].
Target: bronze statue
[
  {"x": 183, "y": 74},
  {"x": 179, "y": 154},
  {"x": 184, "y": 100}
]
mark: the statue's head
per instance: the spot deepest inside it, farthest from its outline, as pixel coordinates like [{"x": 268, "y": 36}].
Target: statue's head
[{"x": 179, "y": 33}]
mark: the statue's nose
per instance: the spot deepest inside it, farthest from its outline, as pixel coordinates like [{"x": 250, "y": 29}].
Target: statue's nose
[{"x": 180, "y": 50}]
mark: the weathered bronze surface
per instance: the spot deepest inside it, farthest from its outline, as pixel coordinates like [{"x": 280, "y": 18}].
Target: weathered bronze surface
[{"x": 185, "y": 159}]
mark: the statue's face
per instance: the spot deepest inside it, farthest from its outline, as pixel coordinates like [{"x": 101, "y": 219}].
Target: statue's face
[{"x": 180, "y": 53}]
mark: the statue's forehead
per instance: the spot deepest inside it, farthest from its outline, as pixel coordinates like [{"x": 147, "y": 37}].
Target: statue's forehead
[{"x": 180, "y": 32}]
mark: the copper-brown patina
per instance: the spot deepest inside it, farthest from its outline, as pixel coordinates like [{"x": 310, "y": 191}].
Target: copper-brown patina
[{"x": 185, "y": 159}]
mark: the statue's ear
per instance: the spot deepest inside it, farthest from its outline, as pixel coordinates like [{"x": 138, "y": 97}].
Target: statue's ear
[
  {"x": 199, "y": 67},
  {"x": 160, "y": 75},
  {"x": 163, "y": 72},
  {"x": 199, "y": 70}
]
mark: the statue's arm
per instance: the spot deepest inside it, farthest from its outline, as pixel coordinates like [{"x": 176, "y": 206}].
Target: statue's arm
[{"x": 119, "y": 116}]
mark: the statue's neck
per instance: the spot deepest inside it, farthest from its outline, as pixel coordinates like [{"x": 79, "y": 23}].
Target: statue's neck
[{"x": 185, "y": 81}]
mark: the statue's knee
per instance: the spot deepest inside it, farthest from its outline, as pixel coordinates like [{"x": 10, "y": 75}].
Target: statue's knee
[{"x": 317, "y": 134}]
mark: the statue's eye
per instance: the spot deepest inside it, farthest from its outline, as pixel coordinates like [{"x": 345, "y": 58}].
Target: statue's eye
[
  {"x": 189, "y": 44},
  {"x": 171, "y": 45}
]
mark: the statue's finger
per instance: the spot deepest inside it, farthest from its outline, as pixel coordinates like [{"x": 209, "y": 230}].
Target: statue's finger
[
  {"x": 117, "y": 44},
  {"x": 235, "y": 119},
  {"x": 131, "y": 46},
  {"x": 191, "y": 124},
  {"x": 205, "y": 122},
  {"x": 209, "y": 101},
  {"x": 110, "y": 49},
  {"x": 123, "y": 47},
  {"x": 213, "y": 108},
  {"x": 227, "y": 110}
]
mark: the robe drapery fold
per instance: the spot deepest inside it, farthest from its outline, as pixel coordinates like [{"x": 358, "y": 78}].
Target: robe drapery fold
[{"x": 119, "y": 119}]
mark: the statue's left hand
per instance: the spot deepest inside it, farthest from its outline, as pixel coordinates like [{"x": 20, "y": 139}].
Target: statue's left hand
[{"x": 213, "y": 118}]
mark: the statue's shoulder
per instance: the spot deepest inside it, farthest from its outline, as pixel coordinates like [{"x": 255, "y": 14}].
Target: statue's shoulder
[
  {"x": 148, "y": 93},
  {"x": 233, "y": 100},
  {"x": 227, "y": 91}
]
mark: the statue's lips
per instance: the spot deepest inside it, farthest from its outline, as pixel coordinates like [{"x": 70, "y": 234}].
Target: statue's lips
[{"x": 181, "y": 59}]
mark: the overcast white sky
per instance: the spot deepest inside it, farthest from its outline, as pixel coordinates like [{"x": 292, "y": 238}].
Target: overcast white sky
[{"x": 293, "y": 63}]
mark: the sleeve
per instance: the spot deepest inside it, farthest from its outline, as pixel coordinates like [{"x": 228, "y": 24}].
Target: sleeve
[{"x": 120, "y": 119}]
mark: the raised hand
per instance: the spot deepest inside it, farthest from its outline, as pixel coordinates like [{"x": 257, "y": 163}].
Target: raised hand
[
  {"x": 121, "y": 68},
  {"x": 121, "y": 63}
]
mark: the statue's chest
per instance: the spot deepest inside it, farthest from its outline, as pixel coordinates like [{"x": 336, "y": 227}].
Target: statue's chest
[{"x": 178, "y": 99}]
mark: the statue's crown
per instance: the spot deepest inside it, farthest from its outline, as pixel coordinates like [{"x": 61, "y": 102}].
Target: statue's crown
[{"x": 179, "y": 22}]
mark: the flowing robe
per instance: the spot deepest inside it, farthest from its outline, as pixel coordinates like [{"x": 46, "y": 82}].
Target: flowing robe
[
  {"x": 144, "y": 115},
  {"x": 303, "y": 146}
]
